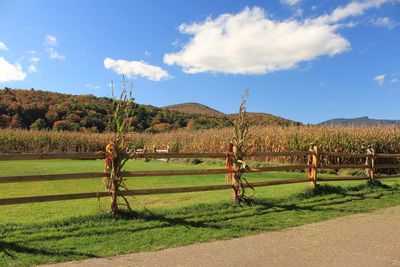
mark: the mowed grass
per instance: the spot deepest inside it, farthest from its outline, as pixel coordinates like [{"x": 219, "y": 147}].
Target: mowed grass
[
  {"x": 66, "y": 230},
  {"x": 41, "y": 212}
]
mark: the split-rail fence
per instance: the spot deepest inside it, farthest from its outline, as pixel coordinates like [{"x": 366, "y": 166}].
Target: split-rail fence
[{"x": 312, "y": 167}]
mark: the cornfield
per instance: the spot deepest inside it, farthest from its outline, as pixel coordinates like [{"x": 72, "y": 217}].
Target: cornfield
[{"x": 385, "y": 139}]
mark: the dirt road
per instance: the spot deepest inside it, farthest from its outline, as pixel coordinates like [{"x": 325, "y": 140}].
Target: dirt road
[{"x": 371, "y": 239}]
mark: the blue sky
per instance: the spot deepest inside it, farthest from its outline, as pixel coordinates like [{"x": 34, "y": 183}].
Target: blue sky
[{"x": 304, "y": 60}]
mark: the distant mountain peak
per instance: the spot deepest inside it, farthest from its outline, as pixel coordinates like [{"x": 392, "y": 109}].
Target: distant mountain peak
[
  {"x": 195, "y": 108},
  {"x": 360, "y": 121},
  {"x": 261, "y": 119}
]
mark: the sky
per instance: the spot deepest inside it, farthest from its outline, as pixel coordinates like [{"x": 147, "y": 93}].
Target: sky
[{"x": 304, "y": 60}]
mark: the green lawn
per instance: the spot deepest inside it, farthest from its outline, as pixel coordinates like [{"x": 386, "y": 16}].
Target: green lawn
[{"x": 65, "y": 230}]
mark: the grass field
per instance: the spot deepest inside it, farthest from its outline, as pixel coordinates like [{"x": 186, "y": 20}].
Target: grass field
[{"x": 59, "y": 231}]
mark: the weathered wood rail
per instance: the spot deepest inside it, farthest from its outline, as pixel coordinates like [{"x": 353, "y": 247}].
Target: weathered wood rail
[
  {"x": 312, "y": 169},
  {"x": 150, "y": 155}
]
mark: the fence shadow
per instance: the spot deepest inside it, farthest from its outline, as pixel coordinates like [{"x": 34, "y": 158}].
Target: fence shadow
[
  {"x": 11, "y": 249},
  {"x": 213, "y": 217}
]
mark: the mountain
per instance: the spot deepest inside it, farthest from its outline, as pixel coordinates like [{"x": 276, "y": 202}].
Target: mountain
[
  {"x": 195, "y": 108},
  {"x": 265, "y": 119},
  {"x": 36, "y": 109},
  {"x": 361, "y": 121},
  {"x": 260, "y": 119}
]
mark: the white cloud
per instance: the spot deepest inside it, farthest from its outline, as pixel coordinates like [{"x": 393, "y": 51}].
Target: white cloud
[
  {"x": 91, "y": 86},
  {"x": 54, "y": 54},
  {"x": 394, "y": 80},
  {"x": 10, "y": 72},
  {"x": 34, "y": 59},
  {"x": 355, "y": 8},
  {"x": 147, "y": 53},
  {"x": 350, "y": 24},
  {"x": 290, "y": 2},
  {"x": 176, "y": 43},
  {"x": 136, "y": 68},
  {"x": 380, "y": 79},
  {"x": 298, "y": 12},
  {"x": 251, "y": 43},
  {"x": 3, "y": 46},
  {"x": 50, "y": 40},
  {"x": 384, "y": 22},
  {"x": 32, "y": 68}
]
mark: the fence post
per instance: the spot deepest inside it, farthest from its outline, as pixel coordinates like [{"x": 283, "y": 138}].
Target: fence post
[
  {"x": 168, "y": 151},
  {"x": 309, "y": 162},
  {"x": 370, "y": 162},
  {"x": 231, "y": 168},
  {"x": 314, "y": 165}
]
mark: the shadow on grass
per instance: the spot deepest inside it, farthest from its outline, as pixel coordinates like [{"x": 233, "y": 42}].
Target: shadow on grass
[
  {"x": 323, "y": 198},
  {"x": 215, "y": 217},
  {"x": 309, "y": 200},
  {"x": 11, "y": 249},
  {"x": 323, "y": 190},
  {"x": 372, "y": 184},
  {"x": 146, "y": 216},
  {"x": 319, "y": 190},
  {"x": 167, "y": 221}
]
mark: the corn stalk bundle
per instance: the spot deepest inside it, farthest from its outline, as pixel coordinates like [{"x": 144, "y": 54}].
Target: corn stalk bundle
[
  {"x": 235, "y": 157},
  {"x": 117, "y": 150}
]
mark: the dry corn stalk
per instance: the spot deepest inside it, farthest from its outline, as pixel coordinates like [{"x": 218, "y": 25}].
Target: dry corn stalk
[
  {"x": 235, "y": 156},
  {"x": 117, "y": 150}
]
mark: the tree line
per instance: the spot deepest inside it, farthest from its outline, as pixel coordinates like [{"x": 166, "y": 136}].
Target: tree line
[{"x": 43, "y": 110}]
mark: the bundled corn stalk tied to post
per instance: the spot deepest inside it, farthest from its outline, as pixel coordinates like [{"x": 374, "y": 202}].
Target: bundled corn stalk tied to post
[
  {"x": 118, "y": 150},
  {"x": 235, "y": 163}
]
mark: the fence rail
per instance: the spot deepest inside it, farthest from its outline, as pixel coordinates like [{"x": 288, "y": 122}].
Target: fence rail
[
  {"x": 149, "y": 155},
  {"x": 73, "y": 176},
  {"x": 312, "y": 170},
  {"x": 170, "y": 155},
  {"x": 67, "y": 155}
]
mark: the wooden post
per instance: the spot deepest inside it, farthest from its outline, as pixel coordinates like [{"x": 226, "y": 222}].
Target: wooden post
[
  {"x": 237, "y": 176},
  {"x": 168, "y": 151},
  {"x": 370, "y": 162},
  {"x": 230, "y": 165},
  {"x": 337, "y": 160},
  {"x": 115, "y": 172},
  {"x": 114, "y": 195},
  {"x": 309, "y": 162},
  {"x": 314, "y": 165}
]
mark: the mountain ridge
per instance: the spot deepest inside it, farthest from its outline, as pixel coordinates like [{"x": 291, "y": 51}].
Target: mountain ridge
[
  {"x": 255, "y": 118},
  {"x": 194, "y": 108},
  {"x": 359, "y": 121}
]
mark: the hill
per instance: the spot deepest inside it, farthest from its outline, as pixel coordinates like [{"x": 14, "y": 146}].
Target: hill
[
  {"x": 361, "y": 121},
  {"x": 260, "y": 119},
  {"x": 195, "y": 108},
  {"x": 36, "y": 109},
  {"x": 265, "y": 119}
]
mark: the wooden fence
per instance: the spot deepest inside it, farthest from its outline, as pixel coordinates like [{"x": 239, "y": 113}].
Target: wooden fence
[{"x": 312, "y": 167}]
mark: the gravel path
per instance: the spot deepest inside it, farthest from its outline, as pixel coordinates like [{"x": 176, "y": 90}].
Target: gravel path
[{"x": 371, "y": 239}]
